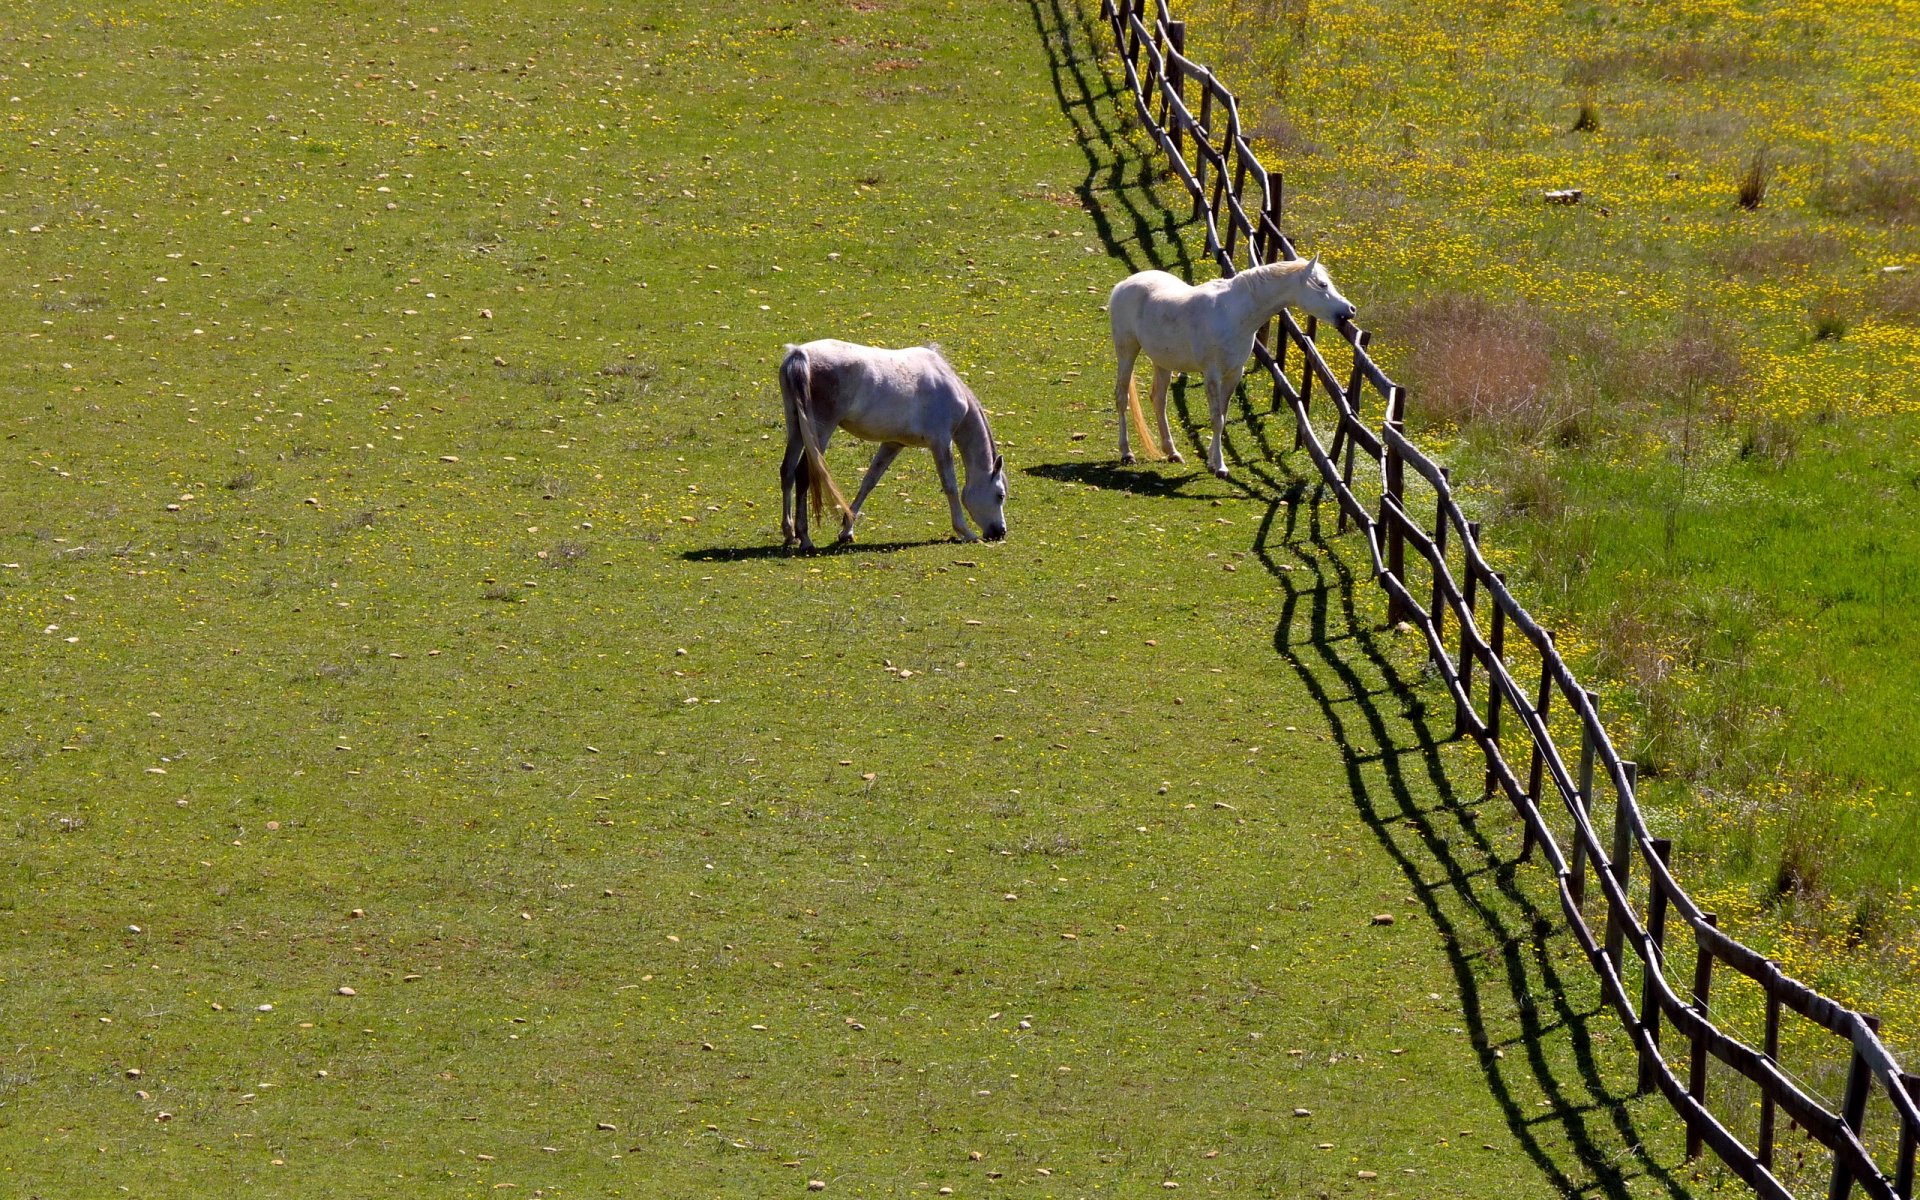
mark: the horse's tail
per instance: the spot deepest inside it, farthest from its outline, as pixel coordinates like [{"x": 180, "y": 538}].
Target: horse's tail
[
  {"x": 1148, "y": 446},
  {"x": 796, "y": 389}
]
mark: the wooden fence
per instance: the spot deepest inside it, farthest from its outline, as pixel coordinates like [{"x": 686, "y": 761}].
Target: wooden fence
[{"x": 1196, "y": 121}]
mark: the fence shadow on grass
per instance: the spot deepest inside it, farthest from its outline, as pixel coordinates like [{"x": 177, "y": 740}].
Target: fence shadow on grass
[{"x": 1465, "y": 883}]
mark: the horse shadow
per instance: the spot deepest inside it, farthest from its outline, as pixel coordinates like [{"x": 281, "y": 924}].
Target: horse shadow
[
  {"x": 1499, "y": 941},
  {"x": 1117, "y": 477},
  {"x": 735, "y": 554}
]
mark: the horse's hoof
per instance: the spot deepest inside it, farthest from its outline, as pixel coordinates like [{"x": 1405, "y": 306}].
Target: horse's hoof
[
  {"x": 806, "y": 545},
  {"x": 1176, "y": 456},
  {"x": 1222, "y": 473},
  {"x": 1126, "y": 460},
  {"x": 845, "y": 538}
]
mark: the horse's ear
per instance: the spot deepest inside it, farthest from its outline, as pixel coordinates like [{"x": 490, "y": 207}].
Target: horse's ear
[
  {"x": 1314, "y": 264},
  {"x": 999, "y": 464}
]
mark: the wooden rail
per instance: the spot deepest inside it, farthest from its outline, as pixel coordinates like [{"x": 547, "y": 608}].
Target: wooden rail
[{"x": 1239, "y": 201}]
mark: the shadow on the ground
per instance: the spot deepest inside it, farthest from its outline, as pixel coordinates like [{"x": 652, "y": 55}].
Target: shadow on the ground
[
  {"x": 728, "y": 554},
  {"x": 1116, "y": 477},
  {"x": 1498, "y": 939}
]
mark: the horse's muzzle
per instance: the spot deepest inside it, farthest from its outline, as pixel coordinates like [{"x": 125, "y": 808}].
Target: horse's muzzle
[{"x": 997, "y": 533}]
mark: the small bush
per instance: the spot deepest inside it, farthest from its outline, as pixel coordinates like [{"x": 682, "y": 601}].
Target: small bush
[
  {"x": 1753, "y": 185},
  {"x": 1829, "y": 319}
]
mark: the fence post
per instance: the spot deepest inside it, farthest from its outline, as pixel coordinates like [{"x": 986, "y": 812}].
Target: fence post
[
  {"x": 1177, "y": 81},
  {"x": 1351, "y": 409},
  {"x": 1270, "y": 214},
  {"x": 1542, "y": 707},
  {"x": 1650, "y": 994},
  {"x": 1465, "y": 669},
  {"x": 1697, "y": 1068},
  {"x": 1622, "y": 865},
  {"x": 1496, "y": 653},
  {"x": 1771, "y": 984},
  {"x": 1396, "y": 470},
  {"x": 1909, "y": 1136},
  {"x": 1239, "y": 197},
  {"x": 1853, "y": 1111},
  {"x": 1440, "y": 526},
  {"x": 1311, "y": 331},
  {"x": 1203, "y": 138},
  {"x": 1129, "y": 9},
  {"x": 1578, "y": 882}
]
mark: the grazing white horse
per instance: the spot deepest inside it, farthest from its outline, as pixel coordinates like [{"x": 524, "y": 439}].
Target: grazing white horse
[
  {"x": 898, "y": 398},
  {"x": 1206, "y": 330}
]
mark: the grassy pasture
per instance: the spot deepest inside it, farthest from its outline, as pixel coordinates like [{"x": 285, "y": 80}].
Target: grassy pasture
[
  {"x": 392, "y": 581},
  {"x": 1691, "y": 424}
]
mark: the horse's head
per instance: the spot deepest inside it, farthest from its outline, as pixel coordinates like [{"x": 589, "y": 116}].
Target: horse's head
[
  {"x": 1321, "y": 298},
  {"x": 986, "y": 499}
]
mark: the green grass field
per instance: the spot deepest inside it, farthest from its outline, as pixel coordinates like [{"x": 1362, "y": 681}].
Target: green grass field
[
  {"x": 1690, "y": 426},
  {"x": 391, "y": 565}
]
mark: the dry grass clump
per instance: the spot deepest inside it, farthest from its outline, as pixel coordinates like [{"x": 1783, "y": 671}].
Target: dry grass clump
[
  {"x": 1885, "y": 189},
  {"x": 1898, "y": 295},
  {"x": 1271, "y": 127},
  {"x": 1767, "y": 258},
  {"x": 1529, "y": 486},
  {"x": 1294, "y": 16},
  {"x": 1472, "y": 361},
  {"x": 1770, "y": 442},
  {"x": 1701, "y": 358},
  {"x": 1681, "y": 63}
]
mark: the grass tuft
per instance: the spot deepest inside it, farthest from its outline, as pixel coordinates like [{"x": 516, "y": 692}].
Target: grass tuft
[
  {"x": 1752, "y": 189},
  {"x": 1588, "y": 120}
]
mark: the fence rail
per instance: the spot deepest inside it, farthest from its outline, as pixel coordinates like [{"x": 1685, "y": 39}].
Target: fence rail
[{"x": 1239, "y": 201}]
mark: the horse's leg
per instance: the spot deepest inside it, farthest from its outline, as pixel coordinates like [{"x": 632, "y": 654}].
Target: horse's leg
[
  {"x": 791, "y": 468},
  {"x": 802, "y": 499},
  {"x": 882, "y": 459},
  {"x": 1123, "y": 389},
  {"x": 950, "y": 483},
  {"x": 1161, "y": 378},
  {"x": 1218, "y": 394}
]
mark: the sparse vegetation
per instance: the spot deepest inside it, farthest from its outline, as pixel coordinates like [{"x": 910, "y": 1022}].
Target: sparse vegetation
[{"x": 1726, "y": 317}]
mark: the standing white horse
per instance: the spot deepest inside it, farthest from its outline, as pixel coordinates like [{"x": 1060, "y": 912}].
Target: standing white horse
[
  {"x": 898, "y": 398},
  {"x": 1206, "y": 330}
]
